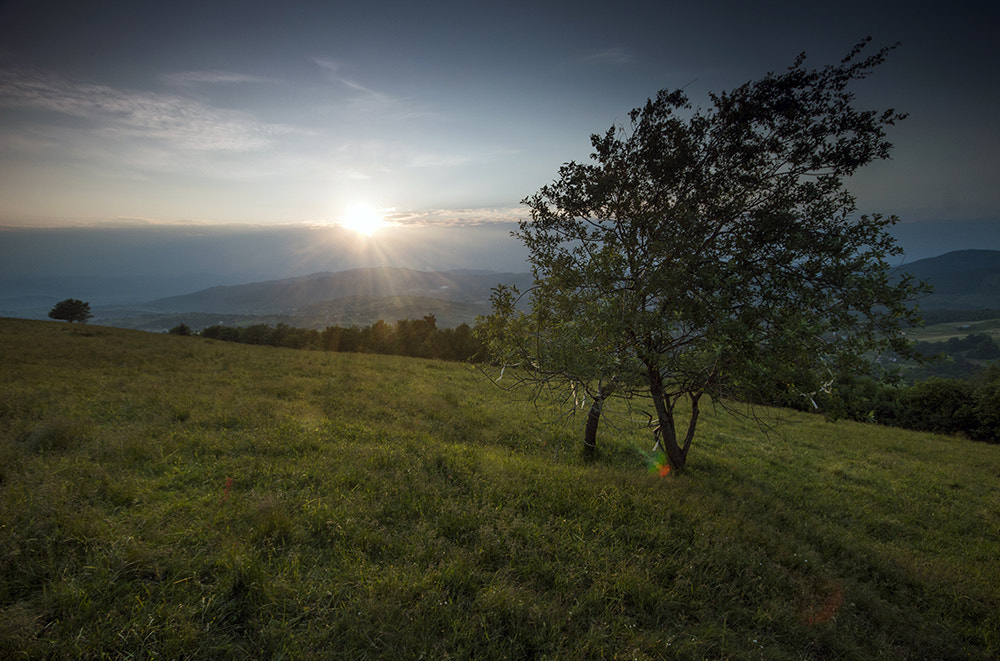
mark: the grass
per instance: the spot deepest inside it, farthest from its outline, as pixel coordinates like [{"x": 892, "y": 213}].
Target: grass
[
  {"x": 955, "y": 329},
  {"x": 173, "y": 497}
]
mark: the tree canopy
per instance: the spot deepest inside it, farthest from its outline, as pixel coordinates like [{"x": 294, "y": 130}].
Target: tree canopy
[
  {"x": 705, "y": 251},
  {"x": 71, "y": 310}
]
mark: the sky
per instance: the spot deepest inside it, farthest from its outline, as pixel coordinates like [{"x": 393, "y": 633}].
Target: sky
[{"x": 230, "y": 138}]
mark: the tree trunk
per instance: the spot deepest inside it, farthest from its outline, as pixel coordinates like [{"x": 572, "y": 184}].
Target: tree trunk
[
  {"x": 676, "y": 455},
  {"x": 590, "y": 433}
]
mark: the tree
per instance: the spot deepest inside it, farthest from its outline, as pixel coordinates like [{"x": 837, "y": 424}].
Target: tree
[
  {"x": 180, "y": 329},
  {"x": 705, "y": 250},
  {"x": 71, "y": 310}
]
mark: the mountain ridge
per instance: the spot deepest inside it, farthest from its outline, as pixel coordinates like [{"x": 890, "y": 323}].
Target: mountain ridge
[
  {"x": 286, "y": 296},
  {"x": 962, "y": 279}
]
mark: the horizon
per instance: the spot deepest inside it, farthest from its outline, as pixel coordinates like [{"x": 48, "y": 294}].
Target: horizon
[{"x": 130, "y": 290}]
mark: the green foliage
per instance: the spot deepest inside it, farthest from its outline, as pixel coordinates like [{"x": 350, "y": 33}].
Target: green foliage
[
  {"x": 976, "y": 346},
  {"x": 704, "y": 251},
  {"x": 211, "y": 500},
  {"x": 970, "y": 407},
  {"x": 985, "y": 405},
  {"x": 416, "y": 338},
  {"x": 71, "y": 310},
  {"x": 939, "y": 405},
  {"x": 180, "y": 329}
]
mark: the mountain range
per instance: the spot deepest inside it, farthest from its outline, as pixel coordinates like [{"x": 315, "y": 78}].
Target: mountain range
[{"x": 964, "y": 280}]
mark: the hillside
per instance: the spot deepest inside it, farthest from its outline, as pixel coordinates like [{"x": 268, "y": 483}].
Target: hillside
[
  {"x": 290, "y": 296},
  {"x": 177, "y": 497},
  {"x": 962, "y": 280},
  {"x": 346, "y": 298},
  {"x": 344, "y": 312}
]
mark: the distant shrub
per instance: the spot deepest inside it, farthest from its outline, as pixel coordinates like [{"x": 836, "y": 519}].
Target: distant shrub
[
  {"x": 419, "y": 338},
  {"x": 939, "y": 405},
  {"x": 224, "y": 333},
  {"x": 71, "y": 310},
  {"x": 968, "y": 406},
  {"x": 986, "y": 406},
  {"x": 180, "y": 329}
]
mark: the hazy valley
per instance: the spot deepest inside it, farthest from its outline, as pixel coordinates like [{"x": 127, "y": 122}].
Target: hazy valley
[{"x": 964, "y": 281}]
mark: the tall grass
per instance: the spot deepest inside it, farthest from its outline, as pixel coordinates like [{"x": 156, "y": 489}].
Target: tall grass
[{"x": 173, "y": 497}]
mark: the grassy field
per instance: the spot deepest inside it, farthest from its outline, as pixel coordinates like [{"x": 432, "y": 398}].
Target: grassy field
[
  {"x": 958, "y": 329},
  {"x": 174, "y": 497}
]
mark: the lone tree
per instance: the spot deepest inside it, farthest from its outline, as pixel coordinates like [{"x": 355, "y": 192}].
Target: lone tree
[
  {"x": 709, "y": 251},
  {"x": 71, "y": 310}
]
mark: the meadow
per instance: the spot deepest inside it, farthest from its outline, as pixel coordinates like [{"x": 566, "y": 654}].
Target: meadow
[
  {"x": 178, "y": 497},
  {"x": 941, "y": 332}
]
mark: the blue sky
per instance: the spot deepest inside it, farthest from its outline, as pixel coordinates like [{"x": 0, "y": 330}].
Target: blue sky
[{"x": 173, "y": 124}]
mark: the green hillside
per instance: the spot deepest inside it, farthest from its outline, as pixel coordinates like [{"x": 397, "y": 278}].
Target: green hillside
[{"x": 177, "y": 497}]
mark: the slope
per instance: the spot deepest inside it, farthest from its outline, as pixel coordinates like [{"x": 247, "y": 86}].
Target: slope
[
  {"x": 962, "y": 280},
  {"x": 176, "y": 497},
  {"x": 290, "y": 295}
]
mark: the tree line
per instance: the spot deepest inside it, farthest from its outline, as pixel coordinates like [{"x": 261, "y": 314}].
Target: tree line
[
  {"x": 416, "y": 338},
  {"x": 968, "y": 406}
]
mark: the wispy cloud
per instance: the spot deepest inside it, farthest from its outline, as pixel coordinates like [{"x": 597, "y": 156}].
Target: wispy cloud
[
  {"x": 616, "y": 56},
  {"x": 177, "y": 121},
  {"x": 457, "y": 217},
  {"x": 439, "y": 160},
  {"x": 214, "y": 77},
  {"x": 365, "y": 100},
  {"x": 332, "y": 70}
]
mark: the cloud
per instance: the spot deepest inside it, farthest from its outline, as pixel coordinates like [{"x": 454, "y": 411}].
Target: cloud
[
  {"x": 456, "y": 217},
  {"x": 214, "y": 77},
  {"x": 439, "y": 160},
  {"x": 114, "y": 113},
  {"x": 436, "y": 159},
  {"x": 332, "y": 70},
  {"x": 616, "y": 56},
  {"x": 369, "y": 103}
]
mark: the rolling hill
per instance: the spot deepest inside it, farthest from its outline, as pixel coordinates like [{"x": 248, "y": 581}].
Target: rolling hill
[
  {"x": 345, "y": 298},
  {"x": 294, "y": 295},
  {"x": 962, "y": 280}
]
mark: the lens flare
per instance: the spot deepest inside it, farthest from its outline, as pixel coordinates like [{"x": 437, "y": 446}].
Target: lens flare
[
  {"x": 827, "y": 602},
  {"x": 657, "y": 463}
]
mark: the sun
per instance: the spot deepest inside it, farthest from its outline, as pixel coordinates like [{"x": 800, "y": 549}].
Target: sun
[{"x": 363, "y": 219}]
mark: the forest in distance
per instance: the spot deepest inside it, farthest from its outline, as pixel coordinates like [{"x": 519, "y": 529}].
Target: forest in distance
[{"x": 416, "y": 338}]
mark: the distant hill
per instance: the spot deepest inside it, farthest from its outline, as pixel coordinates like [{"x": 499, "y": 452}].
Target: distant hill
[
  {"x": 292, "y": 295},
  {"x": 965, "y": 280},
  {"x": 962, "y": 280},
  {"x": 356, "y": 297}
]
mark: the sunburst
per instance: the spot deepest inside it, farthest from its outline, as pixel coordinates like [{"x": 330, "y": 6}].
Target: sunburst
[{"x": 362, "y": 219}]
